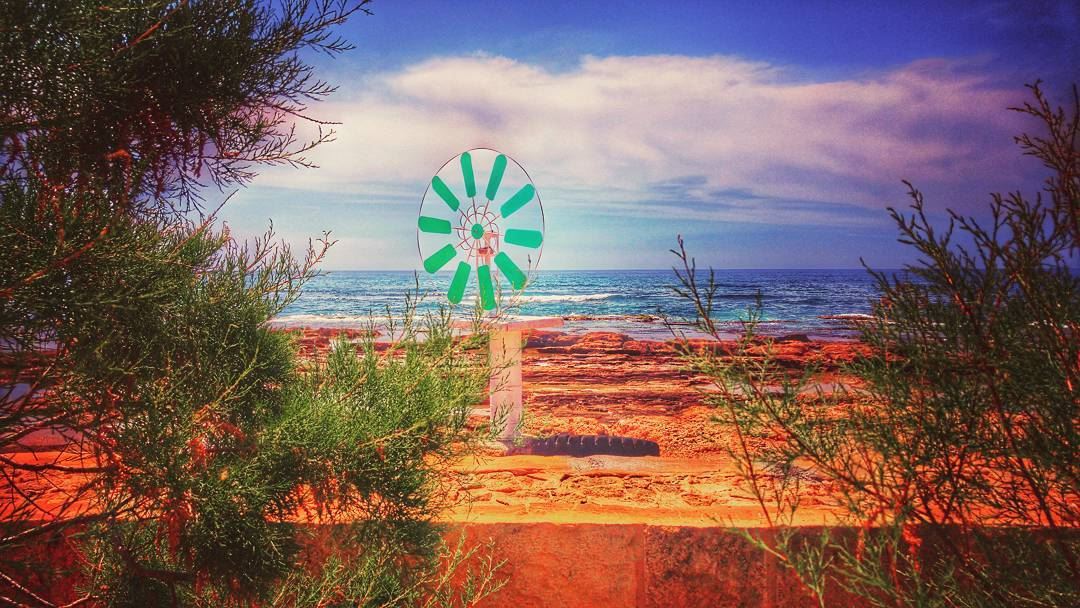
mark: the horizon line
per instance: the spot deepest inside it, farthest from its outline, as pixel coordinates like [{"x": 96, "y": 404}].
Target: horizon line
[{"x": 700, "y": 268}]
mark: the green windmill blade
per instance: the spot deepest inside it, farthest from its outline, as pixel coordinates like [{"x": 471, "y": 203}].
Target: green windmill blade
[
  {"x": 497, "y": 170},
  {"x": 457, "y": 285},
  {"x": 487, "y": 292},
  {"x": 444, "y": 193},
  {"x": 434, "y": 225},
  {"x": 439, "y": 259},
  {"x": 511, "y": 271},
  {"x": 519, "y": 200},
  {"x": 477, "y": 233},
  {"x": 524, "y": 238},
  {"x": 467, "y": 173}
]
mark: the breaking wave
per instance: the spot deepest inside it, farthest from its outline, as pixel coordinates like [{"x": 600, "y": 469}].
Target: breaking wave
[
  {"x": 587, "y": 297},
  {"x": 303, "y": 320}
]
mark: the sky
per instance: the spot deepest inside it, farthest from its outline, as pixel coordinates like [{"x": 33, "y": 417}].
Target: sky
[{"x": 767, "y": 134}]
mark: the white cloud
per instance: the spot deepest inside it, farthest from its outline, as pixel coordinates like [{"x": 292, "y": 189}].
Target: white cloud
[
  {"x": 604, "y": 134},
  {"x": 656, "y": 145}
]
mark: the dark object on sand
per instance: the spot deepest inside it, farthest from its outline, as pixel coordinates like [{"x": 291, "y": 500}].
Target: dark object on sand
[{"x": 587, "y": 445}]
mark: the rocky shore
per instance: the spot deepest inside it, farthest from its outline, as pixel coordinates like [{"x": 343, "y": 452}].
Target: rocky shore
[{"x": 605, "y": 383}]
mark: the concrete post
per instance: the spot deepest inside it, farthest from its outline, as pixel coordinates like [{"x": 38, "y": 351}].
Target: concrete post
[
  {"x": 504, "y": 388},
  {"x": 505, "y": 385}
]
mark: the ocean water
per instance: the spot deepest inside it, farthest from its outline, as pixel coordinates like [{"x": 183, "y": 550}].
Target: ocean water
[{"x": 820, "y": 303}]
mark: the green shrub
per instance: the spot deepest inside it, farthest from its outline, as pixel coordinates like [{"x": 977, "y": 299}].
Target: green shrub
[
  {"x": 186, "y": 433},
  {"x": 957, "y": 453}
]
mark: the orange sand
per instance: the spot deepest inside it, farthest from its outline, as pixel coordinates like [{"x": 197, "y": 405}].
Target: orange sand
[
  {"x": 644, "y": 531},
  {"x": 607, "y": 383}
]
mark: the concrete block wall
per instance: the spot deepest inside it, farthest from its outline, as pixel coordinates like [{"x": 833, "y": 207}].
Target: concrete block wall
[{"x": 638, "y": 566}]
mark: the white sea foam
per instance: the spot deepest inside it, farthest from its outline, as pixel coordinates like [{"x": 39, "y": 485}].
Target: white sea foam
[
  {"x": 543, "y": 299},
  {"x": 303, "y": 320},
  {"x": 586, "y": 297},
  {"x": 849, "y": 316}
]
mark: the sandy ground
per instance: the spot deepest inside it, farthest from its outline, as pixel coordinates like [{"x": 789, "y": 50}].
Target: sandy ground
[{"x": 606, "y": 383}]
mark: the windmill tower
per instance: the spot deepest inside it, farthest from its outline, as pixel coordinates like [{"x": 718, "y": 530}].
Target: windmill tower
[{"x": 486, "y": 237}]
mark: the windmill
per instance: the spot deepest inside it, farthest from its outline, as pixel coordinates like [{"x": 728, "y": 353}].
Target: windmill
[
  {"x": 487, "y": 238},
  {"x": 495, "y": 241}
]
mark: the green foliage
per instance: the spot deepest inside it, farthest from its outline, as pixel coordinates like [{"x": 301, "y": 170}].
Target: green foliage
[
  {"x": 196, "y": 431},
  {"x": 183, "y": 91},
  {"x": 151, "y": 422},
  {"x": 954, "y": 455}
]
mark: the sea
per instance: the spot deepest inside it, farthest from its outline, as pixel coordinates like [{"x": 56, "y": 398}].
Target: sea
[{"x": 821, "y": 304}]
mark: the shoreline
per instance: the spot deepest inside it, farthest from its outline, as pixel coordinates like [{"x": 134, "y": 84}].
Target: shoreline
[{"x": 640, "y": 327}]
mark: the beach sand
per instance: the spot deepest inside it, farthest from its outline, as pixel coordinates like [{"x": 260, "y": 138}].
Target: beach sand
[
  {"x": 645, "y": 531},
  {"x": 605, "y": 383}
]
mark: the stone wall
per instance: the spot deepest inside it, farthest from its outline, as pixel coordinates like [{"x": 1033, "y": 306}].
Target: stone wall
[
  {"x": 566, "y": 565},
  {"x": 638, "y": 565}
]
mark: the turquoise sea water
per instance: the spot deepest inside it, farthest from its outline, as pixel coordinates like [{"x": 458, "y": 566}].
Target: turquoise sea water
[{"x": 793, "y": 301}]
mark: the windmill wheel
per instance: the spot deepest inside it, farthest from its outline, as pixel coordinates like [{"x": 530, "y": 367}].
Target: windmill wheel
[{"x": 498, "y": 231}]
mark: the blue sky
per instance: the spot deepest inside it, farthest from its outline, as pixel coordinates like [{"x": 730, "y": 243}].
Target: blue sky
[{"x": 770, "y": 135}]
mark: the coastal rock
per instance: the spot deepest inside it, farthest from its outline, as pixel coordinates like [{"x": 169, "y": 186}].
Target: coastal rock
[
  {"x": 316, "y": 341},
  {"x": 606, "y": 384},
  {"x": 793, "y": 338},
  {"x": 599, "y": 342},
  {"x": 539, "y": 338}
]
